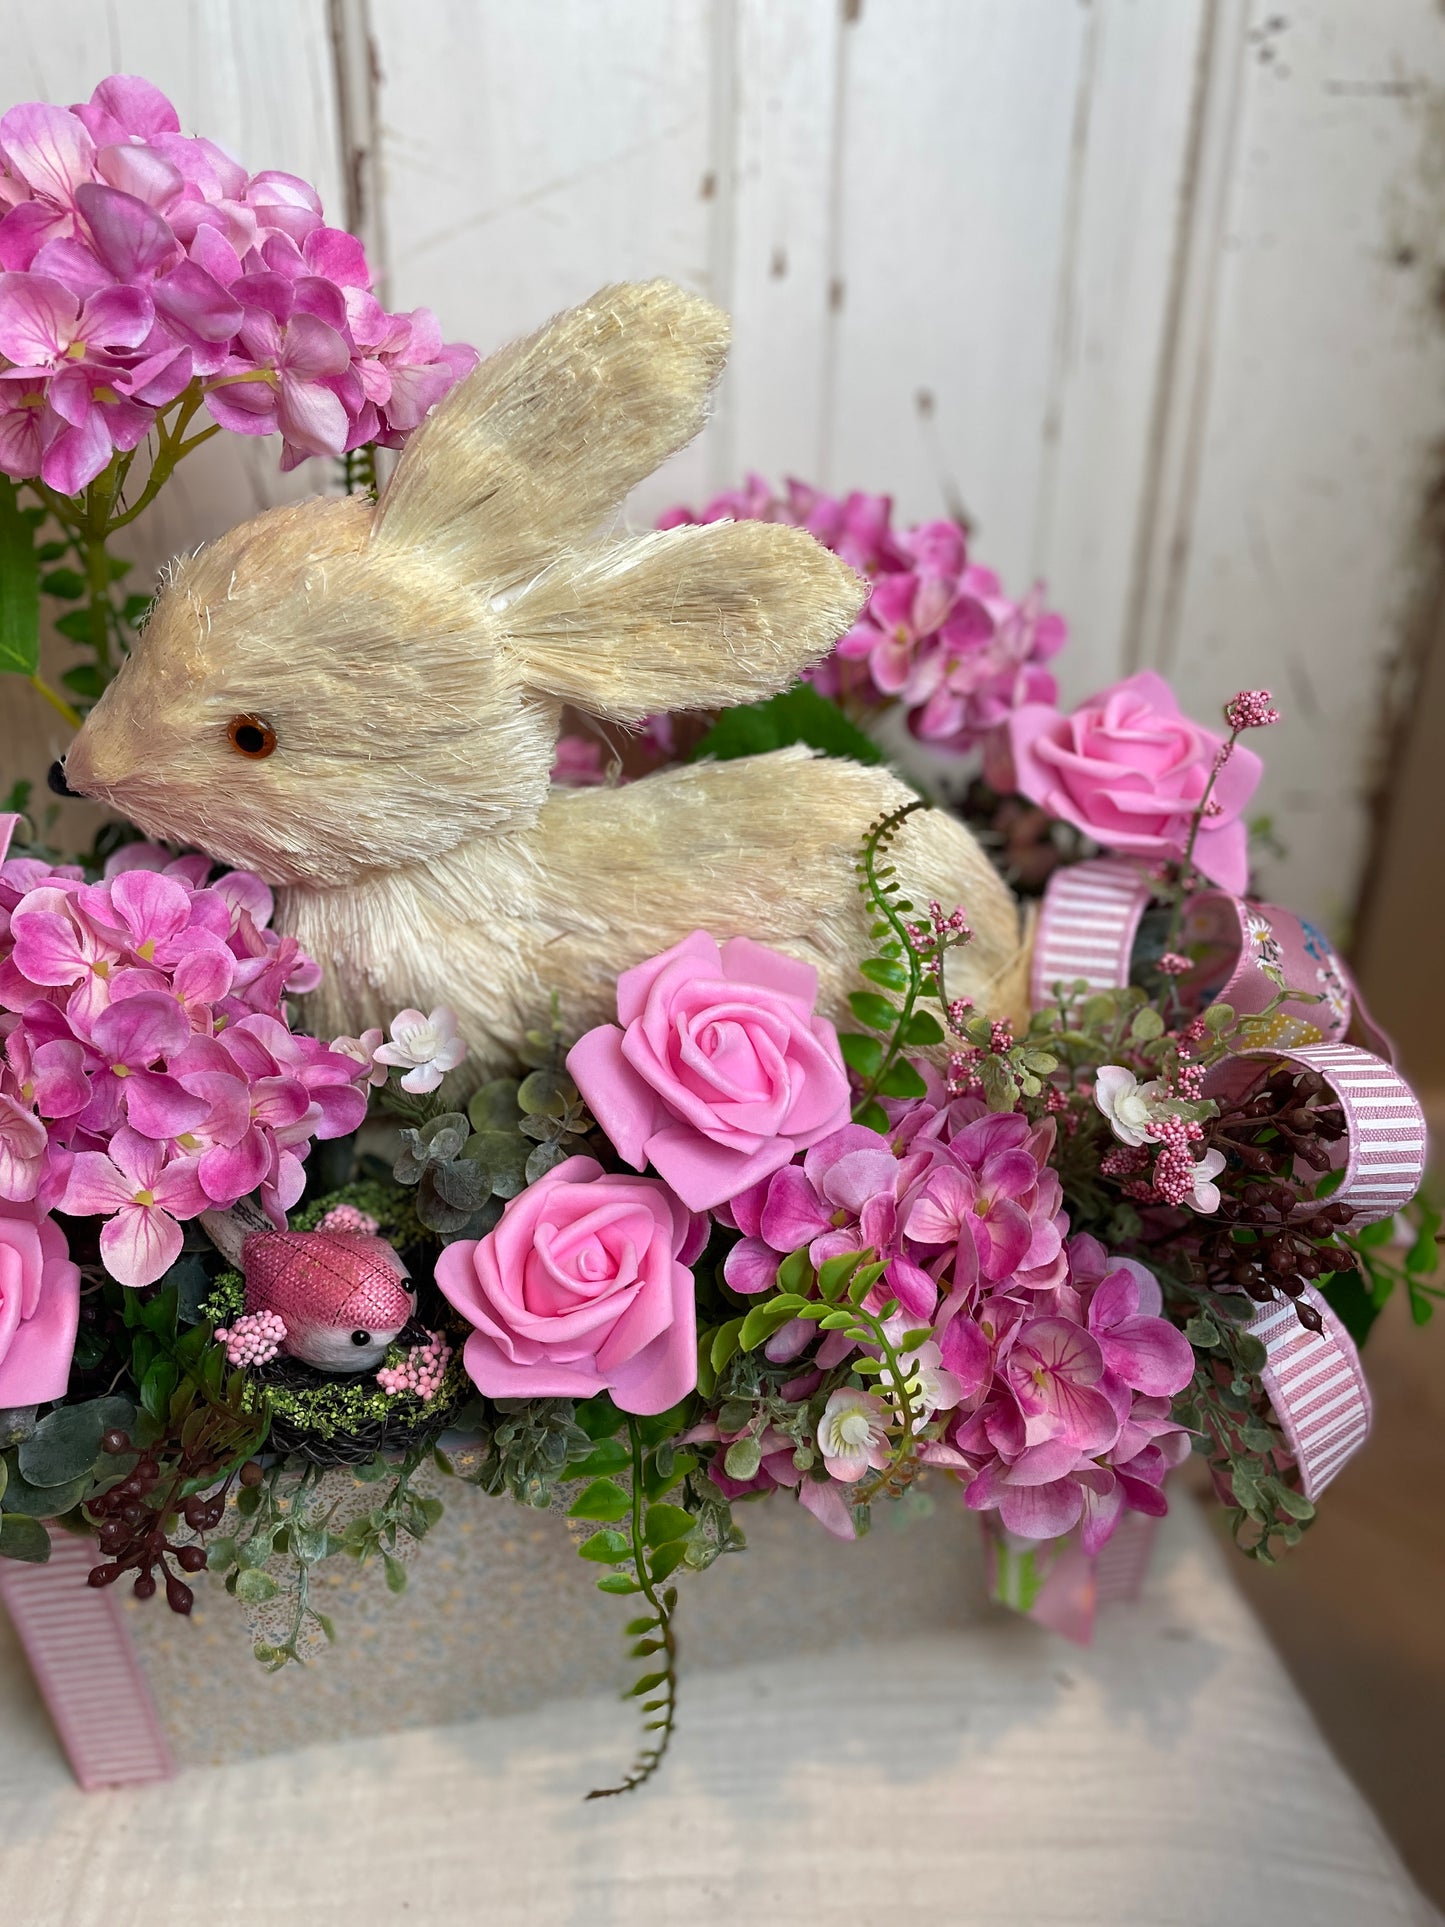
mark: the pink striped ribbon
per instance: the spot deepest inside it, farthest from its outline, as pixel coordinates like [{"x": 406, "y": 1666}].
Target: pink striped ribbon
[
  {"x": 1087, "y": 926},
  {"x": 1316, "y": 1387},
  {"x": 75, "y": 1639}
]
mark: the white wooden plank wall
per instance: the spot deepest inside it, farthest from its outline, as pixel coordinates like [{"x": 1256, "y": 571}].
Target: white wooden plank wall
[{"x": 1145, "y": 284}]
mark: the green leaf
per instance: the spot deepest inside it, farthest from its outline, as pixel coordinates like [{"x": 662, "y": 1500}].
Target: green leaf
[
  {"x": 1352, "y": 1302},
  {"x": 19, "y": 590},
  {"x": 44, "y": 1501},
  {"x": 922, "y": 1028},
  {"x": 743, "y": 1457},
  {"x": 1423, "y": 1257},
  {"x": 598, "y": 1417},
  {"x": 884, "y": 971},
  {"x": 74, "y": 625},
  {"x": 609, "y": 1455},
  {"x": 636, "y": 1626},
  {"x": 64, "y": 1444},
  {"x": 603, "y": 1499},
  {"x": 795, "y": 1273},
  {"x": 874, "y": 1011},
  {"x": 156, "y": 1387},
  {"x": 254, "y": 1587},
  {"x": 617, "y": 1582},
  {"x": 797, "y": 715},
  {"x": 1374, "y": 1235},
  {"x": 762, "y": 1321},
  {"x": 85, "y": 681},
  {"x": 902, "y": 1081},
  {"x": 22, "y": 1538},
  {"x": 607, "y": 1548},
  {"x": 724, "y": 1343},
  {"x": 667, "y": 1558},
  {"x": 665, "y": 1523},
  {"x": 860, "y": 1053},
  {"x": 873, "y": 1116},
  {"x": 647, "y": 1684},
  {"x": 1147, "y": 1025},
  {"x": 134, "y": 607},
  {"x": 494, "y": 1107},
  {"x": 395, "y": 1572},
  {"x": 67, "y": 584},
  {"x": 834, "y": 1273}
]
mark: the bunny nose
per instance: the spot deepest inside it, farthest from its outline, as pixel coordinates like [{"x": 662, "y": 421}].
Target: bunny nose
[{"x": 55, "y": 777}]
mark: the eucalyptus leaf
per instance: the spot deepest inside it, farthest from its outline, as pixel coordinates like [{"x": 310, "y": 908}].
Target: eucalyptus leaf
[
  {"x": 494, "y": 1107},
  {"x": 63, "y": 1446},
  {"x": 23, "y": 1538}
]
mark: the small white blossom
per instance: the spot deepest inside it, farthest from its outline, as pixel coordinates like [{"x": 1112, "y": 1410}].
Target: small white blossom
[
  {"x": 364, "y": 1049},
  {"x": 852, "y": 1434},
  {"x": 427, "y": 1047},
  {"x": 1205, "y": 1196},
  {"x": 1129, "y": 1105}
]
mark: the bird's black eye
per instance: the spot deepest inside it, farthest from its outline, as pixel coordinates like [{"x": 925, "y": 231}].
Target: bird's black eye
[
  {"x": 361, "y": 1338},
  {"x": 251, "y": 736}
]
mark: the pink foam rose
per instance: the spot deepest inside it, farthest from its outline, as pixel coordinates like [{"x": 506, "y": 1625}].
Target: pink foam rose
[
  {"x": 583, "y": 1287},
  {"x": 1130, "y": 771},
  {"x": 39, "y": 1306},
  {"x": 720, "y": 1072}
]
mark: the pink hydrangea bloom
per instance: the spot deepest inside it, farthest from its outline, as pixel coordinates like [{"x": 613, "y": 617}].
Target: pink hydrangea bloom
[
  {"x": 135, "y": 260},
  {"x": 937, "y": 635},
  {"x": 149, "y": 1073}
]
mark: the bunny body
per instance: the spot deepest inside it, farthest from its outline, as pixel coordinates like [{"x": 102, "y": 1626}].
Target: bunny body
[
  {"x": 408, "y": 666},
  {"x": 763, "y": 846}
]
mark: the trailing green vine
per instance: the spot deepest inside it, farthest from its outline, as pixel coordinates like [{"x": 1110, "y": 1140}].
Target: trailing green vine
[{"x": 900, "y": 964}]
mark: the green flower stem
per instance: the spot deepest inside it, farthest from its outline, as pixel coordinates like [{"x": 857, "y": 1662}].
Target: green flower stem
[
  {"x": 56, "y": 701},
  {"x": 903, "y": 1445}
]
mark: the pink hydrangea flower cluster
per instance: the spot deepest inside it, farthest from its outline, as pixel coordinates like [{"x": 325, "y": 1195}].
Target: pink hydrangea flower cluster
[
  {"x": 1052, "y": 1358},
  {"x": 420, "y": 1372},
  {"x": 149, "y": 1070},
  {"x": 937, "y": 635},
  {"x": 137, "y": 260}
]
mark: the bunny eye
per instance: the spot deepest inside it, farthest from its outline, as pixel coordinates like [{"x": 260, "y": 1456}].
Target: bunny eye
[{"x": 251, "y": 737}]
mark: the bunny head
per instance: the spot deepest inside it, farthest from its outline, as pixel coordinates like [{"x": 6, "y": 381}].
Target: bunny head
[{"x": 332, "y": 689}]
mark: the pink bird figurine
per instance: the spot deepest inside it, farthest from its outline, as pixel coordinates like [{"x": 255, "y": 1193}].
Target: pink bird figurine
[{"x": 343, "y": 1296}]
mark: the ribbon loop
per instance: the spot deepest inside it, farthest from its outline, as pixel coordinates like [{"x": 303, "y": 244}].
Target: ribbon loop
[{"x": 1316, "y": 1387}]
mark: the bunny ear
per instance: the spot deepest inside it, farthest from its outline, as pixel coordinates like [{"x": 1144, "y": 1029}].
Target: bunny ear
[
  {"x": 692, "y": 618},
  {"x": 547, "y": 436}
]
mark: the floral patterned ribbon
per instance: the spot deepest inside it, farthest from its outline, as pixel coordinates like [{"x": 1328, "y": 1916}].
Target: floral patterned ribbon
[{"x": 75, "y": 1639}]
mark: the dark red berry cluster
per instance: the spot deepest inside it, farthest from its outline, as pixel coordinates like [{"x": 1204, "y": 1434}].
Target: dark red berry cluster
[
  {"x": 1275, "y": 1139},
  {"x": 136, "y": 1516}
]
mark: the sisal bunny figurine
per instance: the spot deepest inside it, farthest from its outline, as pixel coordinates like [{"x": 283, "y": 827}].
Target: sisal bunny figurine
[{"x": 361, "y": 704}]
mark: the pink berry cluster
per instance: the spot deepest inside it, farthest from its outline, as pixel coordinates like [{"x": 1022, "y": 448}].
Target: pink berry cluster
[
  {"x": 937, "y": 635},
  {"x": 149, "y": 1070},
  {"x": 420, "y": 1372},
  {"x": 141, "y": 265},
  {"x": 253, "y": 1339},
  {"x": 1251, "y": 709},
  {"x": 346, "y": 1217}
]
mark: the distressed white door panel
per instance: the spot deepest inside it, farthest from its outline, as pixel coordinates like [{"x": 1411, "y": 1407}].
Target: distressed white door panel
[
  {"x": 531, "y": 154},
  {"x": 1310, "y": 412}
]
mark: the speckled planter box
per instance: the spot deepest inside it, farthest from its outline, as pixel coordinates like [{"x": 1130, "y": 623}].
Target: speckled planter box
[{"x": 500, "y": 1613}]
